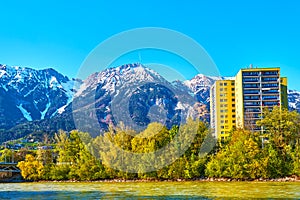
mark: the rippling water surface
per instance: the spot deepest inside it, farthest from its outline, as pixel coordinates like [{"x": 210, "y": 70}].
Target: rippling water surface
[{"x": 150, "y": 190}]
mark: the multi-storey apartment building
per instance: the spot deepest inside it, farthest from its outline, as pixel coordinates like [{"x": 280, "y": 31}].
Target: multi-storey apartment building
[
  {"x": 222, "y": 107},
  {"x": 254, "y": 90}
]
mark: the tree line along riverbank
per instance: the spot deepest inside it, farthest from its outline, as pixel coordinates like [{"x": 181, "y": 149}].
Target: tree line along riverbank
[{"x": 242, "y": 156}]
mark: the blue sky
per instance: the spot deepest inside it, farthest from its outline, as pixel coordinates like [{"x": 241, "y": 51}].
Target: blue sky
[{"x": 61, "y": 34}]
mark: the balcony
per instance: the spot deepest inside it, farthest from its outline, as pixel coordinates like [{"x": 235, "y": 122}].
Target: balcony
[
  {"x": 270, "y": 85},
  {"x": 251, "y": 98},
  {"x": 250, "y": 80},
  {"x": 252, "y": 106},
  {"x": 270, "y": 80},
  {"x": 251, "y": 86},
  {"x": 255, "y": 104},
  {"x": 252, "y": 110},
  {"x": 268, "y": 91},
  {"x": 270, "y": 98},
  {"x": 270, "y": 74},
  {"x": 270, "y": 103},
  {"x": 250, "y": 74},
  {"x": 251, "y": 91}
]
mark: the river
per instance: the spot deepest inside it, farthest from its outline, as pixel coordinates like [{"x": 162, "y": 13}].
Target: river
[{"x": 150, "y": 190}]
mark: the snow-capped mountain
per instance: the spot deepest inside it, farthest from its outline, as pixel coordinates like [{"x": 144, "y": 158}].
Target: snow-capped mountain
[
  {"x": 27, "y": 94},
  {"x": 128, "y": 94},
  {"x": 46, "y": 101},
  {"x": 294, "y": 100},
  {"x": 200, "y": 86}
]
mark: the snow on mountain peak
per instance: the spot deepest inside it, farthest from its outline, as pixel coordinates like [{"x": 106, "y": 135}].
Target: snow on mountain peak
[
  {"x": 201, "y": 81},
  {"x": 42, "y": 94},
  {"x": 294, "y": 100},
  {"x": 36, "y": 94},
  {"x": 111, "y": 78}
]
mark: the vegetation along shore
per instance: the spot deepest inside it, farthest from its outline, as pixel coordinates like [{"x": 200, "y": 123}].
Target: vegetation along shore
[{"x": 244, "y": 156}]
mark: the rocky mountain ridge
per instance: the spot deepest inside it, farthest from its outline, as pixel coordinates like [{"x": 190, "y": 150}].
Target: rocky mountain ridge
[{"x": 45, "y": 100}]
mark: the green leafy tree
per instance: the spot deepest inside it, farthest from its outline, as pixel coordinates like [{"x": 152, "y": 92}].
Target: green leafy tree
[
  {"x": 282, "y": 129},
  {"x": 74, "y": 160},
  {"x": 240, "y": 159}
]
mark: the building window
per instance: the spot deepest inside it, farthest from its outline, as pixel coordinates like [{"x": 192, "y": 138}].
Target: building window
[
  {"x": 222, "y": 127},
  {"x": 222, "y": 116},
  {"x": 233, "y": 121},
  {"x": 233, "y": 110},
  {"x": 232, "y": 89},
  {"x": 221, "y": 84},
  {"x": 233, "y": 116},
  {"x": 232, "y": 83},
  {"x": 233, "y": 105},
  {"x": 225, "y": 84}
]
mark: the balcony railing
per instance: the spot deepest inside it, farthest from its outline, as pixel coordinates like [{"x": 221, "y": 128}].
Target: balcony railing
[
  {"x": 270, "y": 79},
  {"x": 270, "y": 85},
  {"x": 251, "y": 90},
  {"x": 250, "y": 80},
  {"x": 270, "y": 73},
  {"x": 270, "y": 91},
  {"x": 251, "y": 74},
  {"x": 251, "y": 98},
  {"x": 270, "y": 98},
  {"x": 270, "y": 103},
  {"x": 251, "y": 103},
  {"x": 251, "y": 86},
  {"x": 252, "y": 110}
]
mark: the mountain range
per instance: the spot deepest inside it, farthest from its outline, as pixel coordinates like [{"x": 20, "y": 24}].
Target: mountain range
[{"x": 44, "y": 101}]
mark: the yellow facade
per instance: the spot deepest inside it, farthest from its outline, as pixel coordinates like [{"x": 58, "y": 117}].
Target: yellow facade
[
  {"x": 284, "y": 94},
  {"x": 240, "y": 102},
  {"x": 222, "y": 107}
]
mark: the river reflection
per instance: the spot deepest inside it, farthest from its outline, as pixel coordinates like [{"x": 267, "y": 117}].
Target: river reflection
[{"x": 150, "y": 190}]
